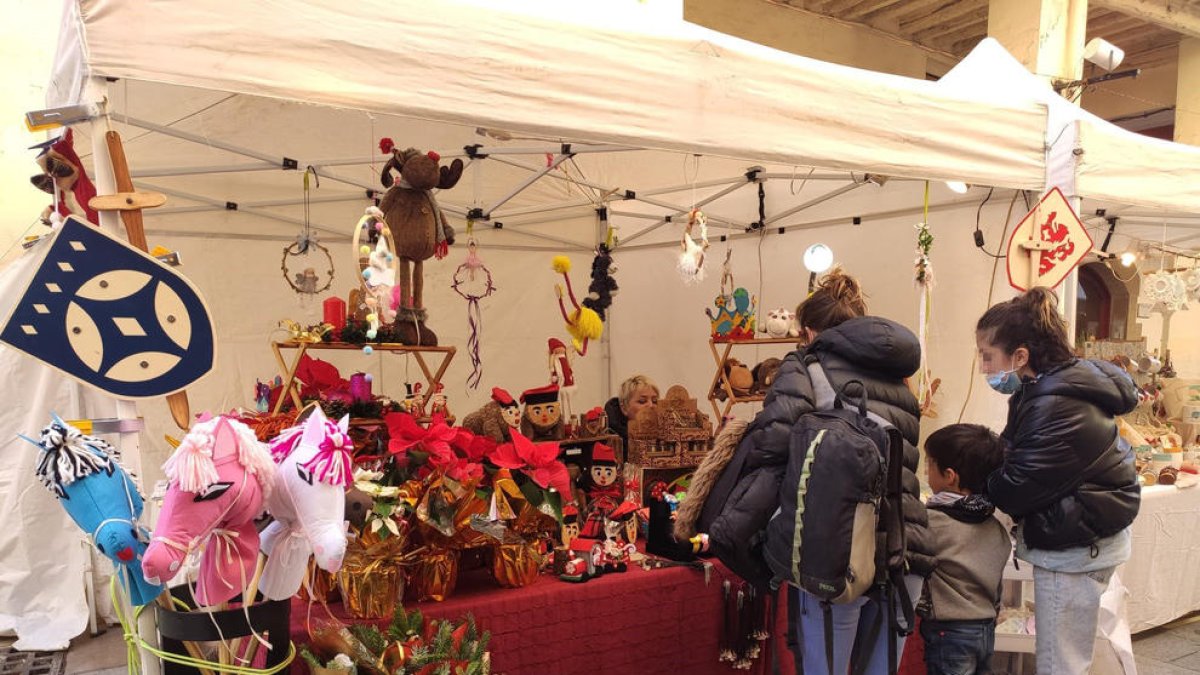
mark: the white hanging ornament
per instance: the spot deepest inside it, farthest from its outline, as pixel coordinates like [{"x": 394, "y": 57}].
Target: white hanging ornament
[{"x": 691, "y": 257}]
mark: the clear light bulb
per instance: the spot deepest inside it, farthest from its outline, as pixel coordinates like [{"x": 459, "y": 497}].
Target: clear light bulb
[{"x": 818, "y": 258}]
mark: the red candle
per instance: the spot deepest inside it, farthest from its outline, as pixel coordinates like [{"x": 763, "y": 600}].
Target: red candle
[{"x": 335, "y": 314}]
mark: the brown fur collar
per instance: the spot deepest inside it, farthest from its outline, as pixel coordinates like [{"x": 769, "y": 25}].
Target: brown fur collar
[{"x": 706, "y": 477}]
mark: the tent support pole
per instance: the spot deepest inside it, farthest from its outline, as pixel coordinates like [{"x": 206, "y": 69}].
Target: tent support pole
[
  {"x": 530, "y": 210},
  {"x": 324, "y": 199},
  {"x": 712, "y": 220},
  {"x": 96, "y": 89},
  {"x": 252, "y": 211},
  {"x": 688, "y": 186},
  {"x": 813, "y": 202},
  {"x": 196, "y": 138},
  {"x": 842, "y": 220},
  {"x": 663, "y": 221},
  {"x": 558, "y": 159},
  {"x": 200, "y": 170}
]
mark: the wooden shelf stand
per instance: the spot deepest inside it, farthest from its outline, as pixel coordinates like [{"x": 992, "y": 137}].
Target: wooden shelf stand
[
  {"x": 432, "y": 377},
  {"x": 720, "y": 351}
]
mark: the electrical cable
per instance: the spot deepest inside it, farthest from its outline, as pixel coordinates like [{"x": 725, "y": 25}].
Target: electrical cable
[{"x": 991, "y": 293}]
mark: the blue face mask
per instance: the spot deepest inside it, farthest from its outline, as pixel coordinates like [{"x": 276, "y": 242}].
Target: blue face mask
[{"x": 1006, "y": 381}]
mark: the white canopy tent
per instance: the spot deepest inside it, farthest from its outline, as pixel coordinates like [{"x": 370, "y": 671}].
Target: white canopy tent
[{"x": 636, "y": 112}]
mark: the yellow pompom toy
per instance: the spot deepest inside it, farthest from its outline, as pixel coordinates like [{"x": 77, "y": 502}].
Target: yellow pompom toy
[
  {"x": 561, "y": 264},
  {"x": 583, "y": 323}
]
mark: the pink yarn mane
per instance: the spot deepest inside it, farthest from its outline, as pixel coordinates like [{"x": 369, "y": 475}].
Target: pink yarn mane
[
  {"x": 193, "y": 464},
  {"x": 331, "y": 464}
]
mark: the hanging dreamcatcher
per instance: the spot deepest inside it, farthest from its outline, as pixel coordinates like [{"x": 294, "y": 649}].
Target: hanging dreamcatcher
[
  {"x": 926, "y": 384},
  {"x": 473, "y": 281},
  {"x": 299, "y": 269},
  {"x": 691, "y": 255}
]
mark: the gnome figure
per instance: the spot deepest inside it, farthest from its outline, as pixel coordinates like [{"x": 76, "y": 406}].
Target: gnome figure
[{"x": 542, "y": 420}]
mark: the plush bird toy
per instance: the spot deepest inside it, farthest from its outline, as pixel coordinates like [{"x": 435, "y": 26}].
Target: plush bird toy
[
  {"x": 83, "y": 473},
  {"x": 583, "y": 323}
]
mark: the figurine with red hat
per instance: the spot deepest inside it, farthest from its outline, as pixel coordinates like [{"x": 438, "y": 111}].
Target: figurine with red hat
[
  {"x": 570, "y": 524},
  {"x": 497, "y": 419},
  {"x": 438, "y": 403},
  {"x": 561, "y": 373},
  {"x": 542, "y": 420},
  {"x": 617, "y": 549},
  {"x": 602, "y": 485}
]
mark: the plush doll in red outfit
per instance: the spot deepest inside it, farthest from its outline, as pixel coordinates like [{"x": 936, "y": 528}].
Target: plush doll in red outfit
[
  {"x": 62, "y": 169},
  {"x": 603, "y": 488}
]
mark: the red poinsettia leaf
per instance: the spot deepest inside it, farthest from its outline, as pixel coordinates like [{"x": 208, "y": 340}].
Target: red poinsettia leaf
[
  {"x": 553, "y": 475},
  {"x": 465, "y": 472},
  {"x": 403, "y": 432},
  {"x": 506, "y": 456},
  {"x": 479, "y": 448}
]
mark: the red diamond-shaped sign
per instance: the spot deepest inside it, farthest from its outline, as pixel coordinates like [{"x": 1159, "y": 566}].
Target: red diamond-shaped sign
[{"x": 1047, "y": 244}]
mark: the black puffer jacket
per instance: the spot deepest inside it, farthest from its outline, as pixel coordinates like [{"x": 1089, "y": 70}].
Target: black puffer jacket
[
  {"x": 878, "y": 352},
  {"x": 1065, "y": 474},
  {"x": 618, "y": 423}
]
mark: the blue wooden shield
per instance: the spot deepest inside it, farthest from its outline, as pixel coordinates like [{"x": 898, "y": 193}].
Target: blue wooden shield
[{"x": 113, "y": 317}]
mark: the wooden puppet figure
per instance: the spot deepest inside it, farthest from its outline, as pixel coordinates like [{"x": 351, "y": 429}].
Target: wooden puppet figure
[
  {"x": 542, "y": 420},
  {"x": 561, "y": 374}
]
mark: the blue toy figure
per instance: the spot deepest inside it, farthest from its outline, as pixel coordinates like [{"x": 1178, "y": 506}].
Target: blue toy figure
[{"x": 82, "y": 471}]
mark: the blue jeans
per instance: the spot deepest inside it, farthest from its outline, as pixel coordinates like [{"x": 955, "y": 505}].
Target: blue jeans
[
  {"x": 1066, "y": 612},
  {"x": 958, "y": 647},
  {"x": 848, "y": 620}
]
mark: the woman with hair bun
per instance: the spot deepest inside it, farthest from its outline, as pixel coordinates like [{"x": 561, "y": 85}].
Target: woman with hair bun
[
  {"x": 849, "y": 345},
  {"x": 1066, "y": 477}
]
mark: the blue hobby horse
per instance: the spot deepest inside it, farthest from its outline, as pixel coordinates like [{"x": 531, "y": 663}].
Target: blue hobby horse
[{"x": 83, "y": 473}]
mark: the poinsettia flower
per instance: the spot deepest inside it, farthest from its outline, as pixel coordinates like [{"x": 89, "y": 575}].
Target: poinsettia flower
[
  {"x": 541, "y": 463},
  {"x": 474, "y": 448},
  {"x": 553, "y": 475},
  {"x": 466, "y": 472},
  {"x": 404, "y": 432},
  {"x": 506, "y": 455}
]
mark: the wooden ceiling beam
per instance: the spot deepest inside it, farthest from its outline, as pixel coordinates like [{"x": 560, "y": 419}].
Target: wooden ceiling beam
[
  {"x": 862, "y": 9},
  {"x": 945, "y": 15},
  {"x": 1146, "y": 31},
  {"x": 1173, "y": 14},
  {"x": 951, "y": 27},
  {"x": 1110, "y": 26},
  {"x": 914, "y": 8}
]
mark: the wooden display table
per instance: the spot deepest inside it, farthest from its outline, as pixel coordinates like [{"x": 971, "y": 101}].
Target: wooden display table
[
  {"x": 721, "y": 356},
  {"x": 432, "y": 378}
]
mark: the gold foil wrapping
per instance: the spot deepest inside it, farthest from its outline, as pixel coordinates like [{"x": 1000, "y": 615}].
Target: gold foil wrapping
[
  {"x": 515, "y": 565},
  {"x": 434, "y": 575},
  {"x": 372, "y": 576},
  {"x": 324, "y": 585}
]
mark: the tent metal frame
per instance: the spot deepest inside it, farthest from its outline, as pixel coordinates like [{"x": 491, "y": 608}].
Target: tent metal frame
[{"x": 514, "y": 221}]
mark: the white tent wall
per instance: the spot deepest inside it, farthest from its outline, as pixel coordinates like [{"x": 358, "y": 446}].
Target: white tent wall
[{"x": 659, "y": 327}]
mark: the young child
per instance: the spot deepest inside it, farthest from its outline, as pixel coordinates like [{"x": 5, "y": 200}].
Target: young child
[{"x": 959, "y": 604}]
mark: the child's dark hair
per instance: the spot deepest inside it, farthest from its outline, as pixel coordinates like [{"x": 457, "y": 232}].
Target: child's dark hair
[
  {"x": 1031, "y": 321},
  {"x": 972, "y": 450},
  {"x": 837, "y": 298}
]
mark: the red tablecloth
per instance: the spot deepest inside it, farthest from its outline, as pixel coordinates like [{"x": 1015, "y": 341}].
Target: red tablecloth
[
  {"x": 664, "y": 621},
  {"x": 659, "y": 621}
]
